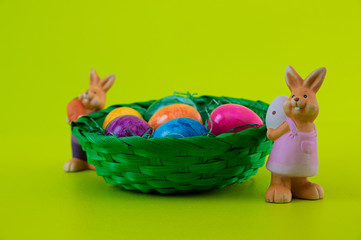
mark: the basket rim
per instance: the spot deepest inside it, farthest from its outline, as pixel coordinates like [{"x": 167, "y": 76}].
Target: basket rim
[
  {"x": 89, "y": 135},
  {"x": 223, "y": 135}
]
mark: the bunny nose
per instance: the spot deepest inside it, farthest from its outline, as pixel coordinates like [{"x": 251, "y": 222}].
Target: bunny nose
[
  {"x": 296, "y": 99},
  {"x": 86, "y": 94}
]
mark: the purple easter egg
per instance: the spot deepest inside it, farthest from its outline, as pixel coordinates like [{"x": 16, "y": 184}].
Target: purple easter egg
[{"x": 126, "y": 126}]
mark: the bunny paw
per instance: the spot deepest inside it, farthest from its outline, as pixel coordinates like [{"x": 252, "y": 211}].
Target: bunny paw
[
  {"x": 308, "y": 190},
  {"x": 278, "y": 194},
  {"x": 76, "y": 164}
]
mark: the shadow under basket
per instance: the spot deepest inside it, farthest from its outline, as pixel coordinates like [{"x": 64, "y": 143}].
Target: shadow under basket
[{"x": 170, "y": 165}]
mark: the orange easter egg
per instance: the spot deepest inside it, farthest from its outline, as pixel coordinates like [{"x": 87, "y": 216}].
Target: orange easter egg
[
  {"x": 174, "y": 111},
  {"x": 120, "y": 111}
]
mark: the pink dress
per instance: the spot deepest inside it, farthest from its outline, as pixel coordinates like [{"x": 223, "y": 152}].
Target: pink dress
[{"x": 294, "y": 154}]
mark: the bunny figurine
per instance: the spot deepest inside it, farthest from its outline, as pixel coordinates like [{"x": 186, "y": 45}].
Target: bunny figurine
[
  {"x": 91, "y": 101},
  {"x": 293, "y": 157}
]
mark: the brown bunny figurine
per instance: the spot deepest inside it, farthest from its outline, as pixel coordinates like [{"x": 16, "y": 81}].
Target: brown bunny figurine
[
  {"x": 90, "y": 101},
  {"x": 294, "y": 154}
]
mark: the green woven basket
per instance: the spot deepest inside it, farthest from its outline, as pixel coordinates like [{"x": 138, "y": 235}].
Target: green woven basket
[{"x": 170, "y": 165}]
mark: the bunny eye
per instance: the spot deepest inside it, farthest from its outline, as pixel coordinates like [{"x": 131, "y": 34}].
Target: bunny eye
[
  {"x": 95, "y": 92},
  {"x": 305, "y": 96},
  {"x": 293, "y": 96},
  {"x": 273, "y": 112}
]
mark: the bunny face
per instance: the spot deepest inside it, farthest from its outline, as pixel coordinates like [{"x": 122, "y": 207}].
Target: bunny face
[
  {"x": 302, "y": 104},
  {"x": 94, "y": 98}
]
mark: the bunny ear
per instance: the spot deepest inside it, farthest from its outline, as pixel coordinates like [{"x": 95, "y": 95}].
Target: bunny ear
[
  {"x": 315, "y": 79},
  {"x": 107, "y": 82},
  {"x": 93, "y": 78},
  {"x": 293, "y": 80}
]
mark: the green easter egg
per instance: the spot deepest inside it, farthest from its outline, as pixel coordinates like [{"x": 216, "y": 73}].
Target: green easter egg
[{"x": 165, "y": 102}]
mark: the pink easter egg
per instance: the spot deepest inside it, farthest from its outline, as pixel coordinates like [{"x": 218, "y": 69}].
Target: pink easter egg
[{"x": 228, "y": 116}]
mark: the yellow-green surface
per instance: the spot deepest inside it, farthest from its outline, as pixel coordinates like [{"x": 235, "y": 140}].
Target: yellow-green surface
[{"x": 232, "y": 48}]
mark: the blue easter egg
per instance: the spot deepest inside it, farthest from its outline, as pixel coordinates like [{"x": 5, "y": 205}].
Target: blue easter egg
[{"x": 179, "y": 128}]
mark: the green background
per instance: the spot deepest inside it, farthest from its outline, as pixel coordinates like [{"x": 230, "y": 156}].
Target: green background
[{"x": 224, "y": 48}]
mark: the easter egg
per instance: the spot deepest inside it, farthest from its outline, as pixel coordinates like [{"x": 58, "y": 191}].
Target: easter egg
[
  {"x": 173, "y": 111},
  {"x": 180, "y": 127},
  {"x": 228, "y": 116},
  {"x": 275, "y": 114},
  {"x": 120, "y": 111},
  {"x": 165, "y": 102},
  {"x": 125, "y": 126}
]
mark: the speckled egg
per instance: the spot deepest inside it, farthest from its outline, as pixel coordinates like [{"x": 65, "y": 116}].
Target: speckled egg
[
  {"x": 126, "y": 126},
  {"x": 120, "y": 111},
  {"x": 180, "y": 127},
  {"x": 173, "y": 111},
  {"x": 229, "y": 116},
  {"x": 166, "y": 101}
]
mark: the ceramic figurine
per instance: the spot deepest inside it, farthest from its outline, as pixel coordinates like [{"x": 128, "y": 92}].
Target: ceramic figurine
[
  {"x": 90, "y": 101},
  {"x": 293, "y": 157}
]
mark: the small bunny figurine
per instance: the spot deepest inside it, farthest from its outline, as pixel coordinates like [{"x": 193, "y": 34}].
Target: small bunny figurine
[
  {"x": 293, "y": 157},
  {"x": 90, "y": 101}
]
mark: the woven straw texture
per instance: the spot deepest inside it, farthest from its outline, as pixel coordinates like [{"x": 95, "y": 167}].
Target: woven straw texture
[{"x": 169, "y": 165}]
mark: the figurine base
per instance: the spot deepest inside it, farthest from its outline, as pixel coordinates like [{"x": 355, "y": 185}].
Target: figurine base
[
  {"x": 76, "y": 165},
  {"x": 283, "y": 189}
]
